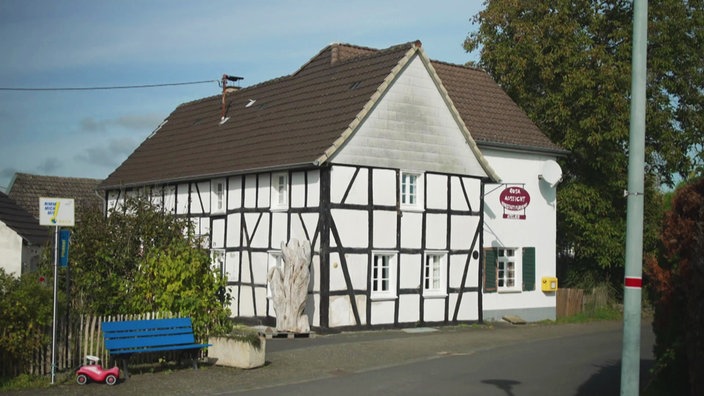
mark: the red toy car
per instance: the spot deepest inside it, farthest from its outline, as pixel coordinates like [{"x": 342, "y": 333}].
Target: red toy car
[{"x": 93, "y": 370}]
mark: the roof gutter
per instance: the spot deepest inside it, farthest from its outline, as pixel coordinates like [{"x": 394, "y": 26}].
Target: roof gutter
[
  {"x": 156, "y": 182},
  {"x": 524, "y": 149}
]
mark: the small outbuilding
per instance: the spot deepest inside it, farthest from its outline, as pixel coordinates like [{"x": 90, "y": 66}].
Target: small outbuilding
[{"x": 21, "y": 238}]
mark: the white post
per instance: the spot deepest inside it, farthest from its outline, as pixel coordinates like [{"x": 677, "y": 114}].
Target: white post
[
  {"x": 50, "y": 216},
  {"x": 53, "y": 323},
  {"x": 630, "y": 355}
]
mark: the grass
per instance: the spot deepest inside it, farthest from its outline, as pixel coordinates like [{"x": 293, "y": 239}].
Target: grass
[
  {"x": 598, "y": 314},
  {"x": 24, "y": 381},
  {"x": 245, "y": 334}
]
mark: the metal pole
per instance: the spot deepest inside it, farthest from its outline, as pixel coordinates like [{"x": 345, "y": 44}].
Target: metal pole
[
  {"x": 630, "y": 358},
  {"x": 53, "y": 322}
]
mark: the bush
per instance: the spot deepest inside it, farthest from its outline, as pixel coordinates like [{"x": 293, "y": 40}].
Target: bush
[
  {"x": 140, "y": 259},
  {"x": 26, "y": 309},
  {"x": 676, "y": 284}
]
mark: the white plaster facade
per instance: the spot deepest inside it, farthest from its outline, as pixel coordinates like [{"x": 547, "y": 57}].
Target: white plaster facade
[
  {"x": 16, "y": 255},
  {"x": 537, "y": 230},
  {"x": 10, "y": 250}
]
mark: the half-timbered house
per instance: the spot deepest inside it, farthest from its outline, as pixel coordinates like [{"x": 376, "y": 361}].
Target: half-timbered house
[{"x": 375, "y": 157}]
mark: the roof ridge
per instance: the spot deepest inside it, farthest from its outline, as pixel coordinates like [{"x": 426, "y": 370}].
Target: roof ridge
[
  {"x": 55, "y": 177},
  {"x": 465, "y": 66},
  {"x": 372, "y": 51}
]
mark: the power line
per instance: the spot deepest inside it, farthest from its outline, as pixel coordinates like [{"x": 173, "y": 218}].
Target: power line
[{"x": 108, "y": 87}]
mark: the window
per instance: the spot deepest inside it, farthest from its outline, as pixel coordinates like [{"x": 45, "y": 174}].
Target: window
[
  {"x": 506, "y": 269},
  {"x": 411, "y": 190},
  {"x": 276, "y": 259},
  {"x": 509, "y": 269},
  {"x": 384, "y": 275},
  {"x": 217, "y": 198},
  {"x": 433, "y": 274},
  {"x": 279, "y": 191}
]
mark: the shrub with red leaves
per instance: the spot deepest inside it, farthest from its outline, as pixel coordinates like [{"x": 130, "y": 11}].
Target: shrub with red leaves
[{"x": 676, "y": 283}]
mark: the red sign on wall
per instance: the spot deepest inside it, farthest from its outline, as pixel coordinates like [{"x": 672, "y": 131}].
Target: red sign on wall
[{"x": 515, "y": 200}]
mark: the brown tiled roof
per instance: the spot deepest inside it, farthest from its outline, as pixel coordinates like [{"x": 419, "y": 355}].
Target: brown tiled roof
[
  {"x": 299, "y": 119},
  {"x": 21, "y": 221},
  {"x": 493, "y": 119},
  {"x": 26, "y": 189},
  {"x": 293, "y": 121}
]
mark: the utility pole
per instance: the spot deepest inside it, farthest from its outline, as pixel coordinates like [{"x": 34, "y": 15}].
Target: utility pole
[{"x": 630, "y": 358}]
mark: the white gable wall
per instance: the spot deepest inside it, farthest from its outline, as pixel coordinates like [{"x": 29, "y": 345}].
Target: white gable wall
[
  {"x": 10, "y": 250},
  {"x": 411, "y": 128},
  {"x": 537, "y": 230}
]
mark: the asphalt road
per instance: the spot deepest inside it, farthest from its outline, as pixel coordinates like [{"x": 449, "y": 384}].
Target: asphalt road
[{"x": 581, "y": 364}]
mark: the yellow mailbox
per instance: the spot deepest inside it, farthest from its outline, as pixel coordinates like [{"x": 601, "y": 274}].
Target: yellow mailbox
[{"x": 549, "y": 284}]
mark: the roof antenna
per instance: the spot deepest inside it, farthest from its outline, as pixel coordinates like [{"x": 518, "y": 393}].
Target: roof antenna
[{"x": 225, "y": 90}]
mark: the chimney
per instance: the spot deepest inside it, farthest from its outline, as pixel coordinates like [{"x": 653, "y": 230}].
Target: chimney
[{"x": 334, "y": 54}]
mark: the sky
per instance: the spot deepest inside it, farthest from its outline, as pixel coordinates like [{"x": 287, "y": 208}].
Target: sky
[{"x": 99, "y": 43}]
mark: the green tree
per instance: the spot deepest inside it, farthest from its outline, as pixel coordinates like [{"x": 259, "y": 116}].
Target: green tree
[
  {"x": 141, "y": 258},
  {"x": 568, "y": 65}
]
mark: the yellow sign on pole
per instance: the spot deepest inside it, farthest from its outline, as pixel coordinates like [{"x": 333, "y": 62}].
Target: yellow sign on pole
[{"x": 58, "y": 212}]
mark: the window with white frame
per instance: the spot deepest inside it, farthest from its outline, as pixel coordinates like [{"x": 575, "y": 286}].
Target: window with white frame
[
  {"x": 508, "y": 264},
  {"x": 411, "y": 190},
  {"x": 383, "y": 275},
  {"x": 279, "y": 190},
  {"x": 276, "y": 259},
  {"x": 217, "y": 197},
  {"x": 434, "y": 268}
]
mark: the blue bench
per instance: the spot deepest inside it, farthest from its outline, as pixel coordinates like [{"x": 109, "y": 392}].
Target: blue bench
[{"x": 152, "y": 335}]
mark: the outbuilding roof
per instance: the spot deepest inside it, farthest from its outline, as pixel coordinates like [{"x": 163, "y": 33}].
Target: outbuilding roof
[
  {"x": 26, "y": 189},
  {"x": 22, "y": 222},
  {"x": 300, "y": 119}
]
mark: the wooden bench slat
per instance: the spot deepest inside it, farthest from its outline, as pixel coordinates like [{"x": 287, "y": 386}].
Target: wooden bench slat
[
  {"x": 157, "y": 349},
  {"x": 145, "y": 324},
  {"x": 159, "y": 341},
  {"x": 145, "y": 333}
]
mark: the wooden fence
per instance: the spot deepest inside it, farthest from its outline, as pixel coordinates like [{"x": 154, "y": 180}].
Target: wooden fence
[
  {"x": 75, "y": 338},
  {"x": 574, "y": 301}
]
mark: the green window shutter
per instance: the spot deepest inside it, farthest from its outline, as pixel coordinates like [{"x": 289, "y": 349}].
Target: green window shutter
[
  {"x": 528, "y": 268},
  {"x": 490, "y": 257}
]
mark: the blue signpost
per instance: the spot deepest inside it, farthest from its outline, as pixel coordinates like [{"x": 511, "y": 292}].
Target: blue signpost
[{"x": 64, "y": 241}]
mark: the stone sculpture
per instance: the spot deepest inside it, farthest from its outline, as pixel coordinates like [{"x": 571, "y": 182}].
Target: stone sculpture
[{"x": 289, "y": 287}]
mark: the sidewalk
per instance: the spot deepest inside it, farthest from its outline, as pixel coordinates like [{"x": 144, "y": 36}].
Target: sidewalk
[{"x": 322, "y": 356}]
